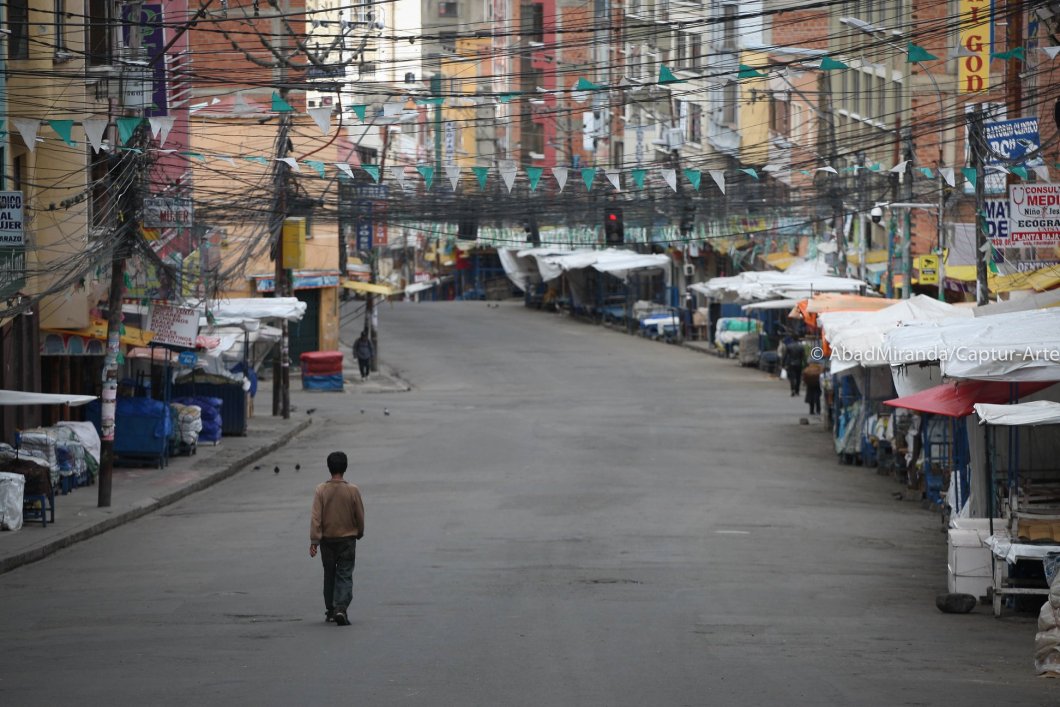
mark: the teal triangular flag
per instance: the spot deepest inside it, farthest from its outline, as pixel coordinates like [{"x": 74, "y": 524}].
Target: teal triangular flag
[
  {"x": 279, "y": 105},
  {"x": 585, "y": 84},
  {"x": 373, "y": 171},
  {"x": 360, "y": 111},
  {"x": 588, "y": 175},
  {"x": 694, "y": 176},
  {"x": 969, "y": 174},
  {"x": 875, "y": 166},
  {"x": 1016, "y": 53},
  {"x": 63, "y": 129},
  {"x": 505, "y": 97},
  {"x": 917, "y": 53},
  {"x": 746, "y": 72},
  {"x": 480, "y": 175},
  {"x": 427, "y": 172},
  {"x": 750, "y": 171},
  {"x": 318, "y": 166},
  {"x": 533, "y": 174},
  {"x": 830, "y": 64},
  {"x": 638, "y": 177},
  {"x": 202, "y": 158},
  {"x": 1020, "y": 172},
  {"x": 667, "y": 76},
  {"x": 435, "y": 101},
  {"x": 259, "y": 160},
  {"x": 126, "y": 128},
  {"x": 927, "y": 172}
]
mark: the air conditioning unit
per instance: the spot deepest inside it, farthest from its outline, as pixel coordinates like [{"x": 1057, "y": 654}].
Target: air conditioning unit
[{"x": 690, "y": 269}]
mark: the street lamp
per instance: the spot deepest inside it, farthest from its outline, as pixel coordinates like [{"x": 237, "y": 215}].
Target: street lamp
[{"x": 874, "y": 31}]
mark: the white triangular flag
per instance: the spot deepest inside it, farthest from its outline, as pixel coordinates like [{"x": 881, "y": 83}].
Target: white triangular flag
[
  {"x": 27, "y": 128},
  {"x": 94, "y": 129},
  {"x": 1051, "y": 51},
  {"x": 240, "y": 105},
  {"x": 670, "y": 175},
  {"x": 398, "y": 173},
  {"x": 947, "y": 174},
  {"x": 827, "y": 169},
  {"x": 345, "y": 169},
  {"x": 560, "y": 173},
  {"x": 900, "y": 167},
  {"x": 160, "y": 127},
  {"x": 453, "y": 172},
  {"x": 772, "y": 168},
  {"x": 1042, "y": 171},
  {"x": 227, "y": 158},
  {"x": 322, "y": 117},
  {"x": 719, "y": 178},
  {"x": 614, "y": 177},
  {"x": 290, "y": 162},
  {"x": 507, "y": 170}
]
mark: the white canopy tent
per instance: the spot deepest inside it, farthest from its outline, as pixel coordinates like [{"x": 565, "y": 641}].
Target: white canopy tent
[
  {"x": 800, "y": 281},
  {"x": 20, "y": 397},
  {"x": 549, "y": 263},
  {"x": 1038, "y": 412}
]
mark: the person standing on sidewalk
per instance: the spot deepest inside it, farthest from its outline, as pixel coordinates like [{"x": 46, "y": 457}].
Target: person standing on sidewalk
[
  {"x": 792, "y": 359},
  {"x": 811, "y": 377},
  {"x": 363, "y": 351},
  {"x": 336, "y": 526}
]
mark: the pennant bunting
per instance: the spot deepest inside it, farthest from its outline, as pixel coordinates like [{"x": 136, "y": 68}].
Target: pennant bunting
[
  {"x": 64, "y": 129},
  {"x": 160, "y": 127},
  {"x": 432, "y": 101},
  {"x": 290, "y": 162},
  {"x": 534, "y": 175},
  {"x": 322, "y": 117},
  {"x": 240, "y": 105},
  {"x": 948, "y": 175},
  {"x": 452, "y": 171},
  {"x": 398, "y": 174},
  {"x": 94, "y": 129},
  {"x": 480, "y": 175},
  {"x": 259, "y": 160},
  {"x": 746, "y": 72},
  {"x": 1051, "y": 52},
  {"x": 638, "y": 177},
  {"x": 970, "y": 175},
  {"x": 318, "y": 167},
  {"x": 360, "y": 111},
  {"x": 588, "y": 175},
  {"x": 670, "y": 177},
  {"x": 1017, "y": 53},
  {"x": 694, "y": 177},
  {"x": 127, "y": 128},
  {"x": 427, "y": 173},
  {"x": 585, "y": 84},
  {"x": 826, "y": 169},
  {"x": 719, "y": 178},
  {"x": 615, "y": 177},
  {"x": 506, "y": 97},
  {"x": 667, "y": 76},
  {"x": 927, "y": 172},
  {"x": 27, "y": 128},
  {"x": 1042, "y": 172},
  {"x": 772, "y": 168},
  {"x": 900, "y": 167},
  {"x": 916, "y": 53},
  {"x": 1020, "y": 172},
  {"x": 830, "y": 64},
  {"x": 507, "y": 169},
  {"x": 279, "y": 105},
  {"x": 560, "y": 173},
  {"x": 345, "y": 168},
  {"x": 194, "y": 156},
  {"x": 750, "y": 172},
  {"x": 372, "y": 170}
]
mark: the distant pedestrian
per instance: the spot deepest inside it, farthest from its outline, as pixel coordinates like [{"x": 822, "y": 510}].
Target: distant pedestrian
[
  {"x": 811, "y": 376},
  {"x": 792, "y": 359},
  {"x": 336, "y": 526},
  {"x": 363, "y": 351}
]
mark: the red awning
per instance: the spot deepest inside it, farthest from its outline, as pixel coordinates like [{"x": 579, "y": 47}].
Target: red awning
[{"x": 957, "y": 399}]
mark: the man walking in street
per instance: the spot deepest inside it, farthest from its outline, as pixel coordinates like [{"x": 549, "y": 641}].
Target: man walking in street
[
  {"x": 336, "y": 526},
  {"x": 792, "y": 359},
  {"x": 363, "y": 351}
]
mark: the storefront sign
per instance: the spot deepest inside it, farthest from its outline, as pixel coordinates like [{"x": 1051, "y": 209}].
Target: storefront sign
[
  {"x": 177, "y": 326},
  {"x": 166, "y": 212},
  {"x": 996, "y": 215},
  {"x": 973, "y": 72},
  {"x": 12, "y": 244},
  {"x": 188, "y": 358},
  {"x": 1034, "y": 214},
  {"x": 1010, "y": 140}
]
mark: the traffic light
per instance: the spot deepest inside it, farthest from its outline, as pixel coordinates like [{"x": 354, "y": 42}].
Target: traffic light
[
  {"x": 533, "y": 236},
  {"x": 613, "y": 229}
]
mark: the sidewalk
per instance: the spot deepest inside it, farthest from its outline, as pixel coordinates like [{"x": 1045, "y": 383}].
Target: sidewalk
[{"x": 136, "y": 492}]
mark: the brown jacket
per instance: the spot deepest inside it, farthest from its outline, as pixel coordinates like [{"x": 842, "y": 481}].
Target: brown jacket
[{"x": 338, "y": 512}]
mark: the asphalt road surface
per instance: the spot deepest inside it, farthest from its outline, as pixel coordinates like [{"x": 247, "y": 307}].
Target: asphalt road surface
[{"x": 557, "y": 514}]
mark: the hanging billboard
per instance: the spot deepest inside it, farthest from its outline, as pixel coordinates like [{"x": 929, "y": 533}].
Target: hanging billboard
[{"x": 974, "y": 28}]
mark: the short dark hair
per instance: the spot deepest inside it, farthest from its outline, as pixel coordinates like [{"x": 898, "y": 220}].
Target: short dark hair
[{"x": 337, "y": 463}]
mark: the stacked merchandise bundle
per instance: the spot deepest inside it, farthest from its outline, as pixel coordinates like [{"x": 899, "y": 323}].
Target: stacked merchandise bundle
[
  {"x": 322, "y": 370},
  {"x": 189, "y": 424},
  {"x": 209, "y": 416},
  {"x": 62, "y": 450}
]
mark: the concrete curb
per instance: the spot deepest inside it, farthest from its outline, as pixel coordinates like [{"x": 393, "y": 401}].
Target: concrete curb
[{"x": 39, "y": 553}]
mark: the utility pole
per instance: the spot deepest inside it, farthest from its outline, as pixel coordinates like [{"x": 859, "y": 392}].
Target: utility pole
[
  {"x": 907, "y": 236},
  {"x": 281, "y": 367},
  {"x": 126, "y": 172},
  {"x": 977, "y": 144}
]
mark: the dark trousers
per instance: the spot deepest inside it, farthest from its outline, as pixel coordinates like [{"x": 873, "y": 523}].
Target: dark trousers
[
  {"x": 795, "y": 378},
  {"x": 813, "y": 397},
  {"x": 338, "y": 557},
  {"x": 365, "y": 364}
]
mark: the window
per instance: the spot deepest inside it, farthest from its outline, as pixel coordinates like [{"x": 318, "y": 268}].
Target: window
[
  {"x": 729, "y": 32},
  {"x": 729, "y": 96},
  {"x": 60, "y": 26},
  {"x": 18, "y": 26},
  {"x": 98, "y": 29},
  {"x": 855, "y": 92},
  {"x": 695, "y": 53},
  {"x": 881, "y": 100},
  {"x": 448, "y": 9},
  {"x": 533, "y": 21},
  {"x": 680, "y": 49},
  {"x": 448, "y": 41},
  {"x": 780, "y": 115},
  {"x": 694, "y": 132}
]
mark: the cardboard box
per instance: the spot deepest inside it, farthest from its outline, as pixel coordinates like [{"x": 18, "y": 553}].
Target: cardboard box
[{"x": 969, "y": 563}]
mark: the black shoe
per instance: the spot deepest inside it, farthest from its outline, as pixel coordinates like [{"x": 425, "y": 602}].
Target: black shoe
[
  {"x": 340, "y": 618},
  {"x": 329, "y": 616}
]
